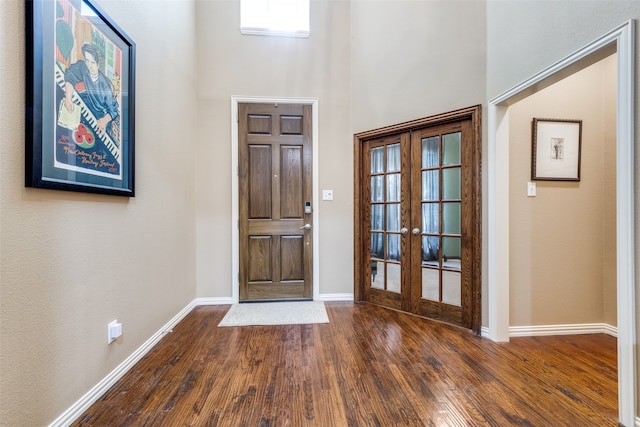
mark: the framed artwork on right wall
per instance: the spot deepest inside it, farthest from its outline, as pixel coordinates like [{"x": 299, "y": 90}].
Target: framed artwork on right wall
[{"x": 556, "y": 149}]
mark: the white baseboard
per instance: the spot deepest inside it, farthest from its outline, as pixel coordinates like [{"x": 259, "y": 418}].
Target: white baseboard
[
  {"x": 530, "y": 331},
  {"x": 85, "y": 402},
  {"x": 484, "y": 332},
  {"x": 335, "y": 297},
  {"x": 585, "y": 328},
  {"x": 229, "y": 300},
  {"x": 214, "y": 301}
]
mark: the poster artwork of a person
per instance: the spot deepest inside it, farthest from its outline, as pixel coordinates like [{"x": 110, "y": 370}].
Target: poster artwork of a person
[{"x": 85, "y": 77}]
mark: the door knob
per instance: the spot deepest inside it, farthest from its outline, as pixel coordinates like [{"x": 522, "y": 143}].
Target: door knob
[
  {"x": 416, "y": 231},
  {"x": 305, "y": 227},
  {"x": 404, "y": 230}
]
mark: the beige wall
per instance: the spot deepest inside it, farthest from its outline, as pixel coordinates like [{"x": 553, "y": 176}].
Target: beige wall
[
  {"x": 412, "y": 59},
  {"x": 369, "y": 64},
  {"x": 563, "y": 240},
  {"x": 365, "y": 62},
  {"x": 609, "y": 258},
  {"x": 230, "y": 63},
  {"x": 70, "y": 263}
]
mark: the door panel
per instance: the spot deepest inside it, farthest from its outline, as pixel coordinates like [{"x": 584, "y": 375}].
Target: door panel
[
  {"x": 259, "y": 191},
  {"x": 260, "y": 266},
  {"x": 291, "y": 181},
  {"x": 419, "y": 239},
  {"x": 275, "y": 183},
  {"x": 292, "y": 258},
  {"x": 387, "y": 183},
  {"x": 438, "y": 169}
]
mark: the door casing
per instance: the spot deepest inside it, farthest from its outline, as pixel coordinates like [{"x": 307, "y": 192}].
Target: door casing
[{"x": 235, "y": 209}]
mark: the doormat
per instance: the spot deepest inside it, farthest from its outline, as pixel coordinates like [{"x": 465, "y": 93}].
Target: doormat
[{"x": 275, "y": 313}]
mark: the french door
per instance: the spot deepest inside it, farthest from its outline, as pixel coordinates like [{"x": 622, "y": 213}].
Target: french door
[
  {"x": 387, "y": 184},
  {"x": 418, "y": 228}
]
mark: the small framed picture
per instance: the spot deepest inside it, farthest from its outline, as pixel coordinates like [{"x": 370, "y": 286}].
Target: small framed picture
[
  {"x": 80, "y": 97},
  {"x": 556, "y": 150}
]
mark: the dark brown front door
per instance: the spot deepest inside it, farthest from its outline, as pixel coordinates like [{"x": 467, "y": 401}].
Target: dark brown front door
[
  {"x": 418, "y": 218},
  {"x": 275, "y": 190}
]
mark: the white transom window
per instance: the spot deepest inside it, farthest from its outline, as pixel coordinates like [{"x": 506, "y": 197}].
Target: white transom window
[{"x": 275, "y": 17}]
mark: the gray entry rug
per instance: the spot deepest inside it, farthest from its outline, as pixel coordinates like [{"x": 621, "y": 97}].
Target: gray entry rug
[{"x": 275, "y": 313}]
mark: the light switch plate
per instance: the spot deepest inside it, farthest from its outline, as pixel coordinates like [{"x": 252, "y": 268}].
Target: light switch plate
[
  {"x": 327, "y": 194},
  {"x": 531, "y": 189}
]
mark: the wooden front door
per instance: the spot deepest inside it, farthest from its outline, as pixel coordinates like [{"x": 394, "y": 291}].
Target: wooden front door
[
  {"x": 275, "y": 190},
  {"x": 418, "y": 218}
]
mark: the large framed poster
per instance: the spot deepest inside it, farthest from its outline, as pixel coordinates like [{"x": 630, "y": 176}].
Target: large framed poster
[{"x": 80, "y": 99}]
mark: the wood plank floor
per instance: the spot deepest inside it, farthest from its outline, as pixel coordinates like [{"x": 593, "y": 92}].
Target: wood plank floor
[{"x": 368, "y": 367}]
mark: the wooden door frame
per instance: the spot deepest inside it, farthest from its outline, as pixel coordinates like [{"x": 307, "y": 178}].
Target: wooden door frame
[
  {"x": 470, "y": 113},
  {"x": 235, "y": 208}
]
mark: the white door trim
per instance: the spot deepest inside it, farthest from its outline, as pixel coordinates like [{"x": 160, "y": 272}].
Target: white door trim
[
  {"x": 235, "y": 211},
  {"x": 623, "y": 38}
]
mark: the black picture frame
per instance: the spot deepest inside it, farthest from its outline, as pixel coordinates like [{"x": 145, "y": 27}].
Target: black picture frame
[
  {"x": 556, "y": 149},
  {"x": 80, "y": 99}
]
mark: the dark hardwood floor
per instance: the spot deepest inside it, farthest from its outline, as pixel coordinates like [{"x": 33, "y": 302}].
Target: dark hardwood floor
[{"x": 369, "y": 366}]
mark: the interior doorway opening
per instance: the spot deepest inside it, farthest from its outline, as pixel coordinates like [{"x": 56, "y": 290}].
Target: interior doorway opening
[
  {"x": 620, "y": 41},
  {"x": 563, "y": 233}
]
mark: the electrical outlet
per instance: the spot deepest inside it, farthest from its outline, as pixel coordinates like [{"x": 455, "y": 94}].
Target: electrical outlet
[{"x": 114, "y": 330}]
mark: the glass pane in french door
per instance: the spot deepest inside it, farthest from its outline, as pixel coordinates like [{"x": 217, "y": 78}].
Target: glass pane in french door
[
  {"x": 441, "y": 218},
  {"x": 385, "y": 208}
]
